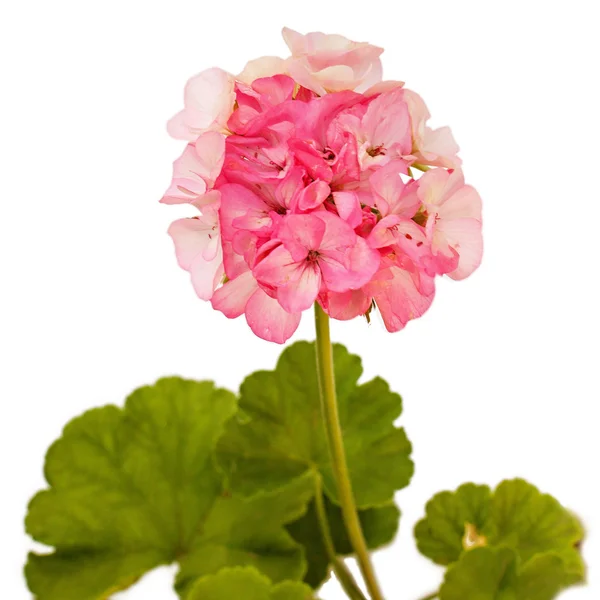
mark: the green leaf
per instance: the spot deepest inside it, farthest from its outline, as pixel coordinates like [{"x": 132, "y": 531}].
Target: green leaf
[
  {"x": 441, "y": 534},
  {"x": 482, "y": 574},
  {"x": 281, "y": 434},
  {"x": 134, "y": 488},
  {"x": 253, "y": 534},
  {"x": 532, "y": 522},
  {"x": 379, "y": 527},
  {"x": 496, "y": 574},
  {"x": 546, "y": 575},
  {"x": 247, "y": 584},
  {"x": 516, "y": 515}
]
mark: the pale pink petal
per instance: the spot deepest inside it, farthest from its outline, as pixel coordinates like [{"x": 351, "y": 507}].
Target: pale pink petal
[
  {"x": 337, "y": 235},
  {"x": 398, "y": 298},
  {"x": 266, "y": 66},
  {"x": 187, "y": 184},
  {"x": 198, "y": 250},
  {"x": 331, "y": 63},
  {"x": 211, "y": 199},
  {"x": 209, "y": 98},
  {"x": 232, "y": 297},
  {"x": 406, "y": 235},
  {"x": 464, "y": 203},
  {"x": 347, "y": 305},
  {"x": 268, "y": 320},
  {"x": 383, "y": 233},
  {"x": 192, "y": 237},
  {"x": 430, "y": 147},
  {"x": 301, "y": 293},
  {"x": 392, "y": 195},
  {"x": 295, "y": 41},
  {"x": 206, "y": 275},
  {"x": 387, "y": 123},
  {"x": 464, "y": 236},
  {"x": 289, "y": 187},
  {"x": 313, "y": 195},
  {"x": 349, "y": 270},
  {"x": 437, "y": 185},
  {"x": 302, "y": 233},
  {"x": 372, "y": 76},
  {"x": 210, "y": 149},
  {"x": 440, "y": 148},
  {"x": 238, "y": 202},
  {"x": 334, "y": 78},
  {"x": 348, "y": 207},
  {"x": 234, "y": 263},
  {"x": 274, "y": 90},
  {"x": 383, "y": 86},
  {"x": 454, "y": 221},
  {"x": 363, "y": 263},
  {"x": 278, "y": 267}
]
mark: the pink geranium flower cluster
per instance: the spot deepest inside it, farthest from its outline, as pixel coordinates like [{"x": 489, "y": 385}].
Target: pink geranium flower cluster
[{"x": 304, "y": 173}]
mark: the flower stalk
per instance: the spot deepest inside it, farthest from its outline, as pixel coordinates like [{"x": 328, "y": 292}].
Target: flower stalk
[
  {"x": 337, "y": 452},
  {"x": 342, "y": 573}
]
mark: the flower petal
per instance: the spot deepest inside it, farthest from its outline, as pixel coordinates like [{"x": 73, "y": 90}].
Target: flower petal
[
  {"x": 398, "y": 298},
  {"x": 348, "y": 207},
  {"x": 347, "y": 305},
  {"x": 268, "y": 320},
  {"x": 301, "y": 293},
  {"x": 232, "y": 297},
  {"x": 208, "y": 99}
]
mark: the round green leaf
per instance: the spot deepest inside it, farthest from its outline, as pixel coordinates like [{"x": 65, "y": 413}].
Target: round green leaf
[
  {"x": 134, "y": 488},
  {"x": 482, "y": 574},
  {"x": 379, "y": 526},
  {"x": 441, "y": 534},
  {"x": 515, "y": 515},
  {"x": 498, "y": 574},
  {"x": 281, "y": 434},
  {"x": 246, "y": 584},
  {"x": 532, "y": 522}
]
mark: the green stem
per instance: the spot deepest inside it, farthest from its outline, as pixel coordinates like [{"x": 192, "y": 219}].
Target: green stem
[
  {"x": 430, "y": 597},
  {"x": 338, "y": 455},
  {"x": 342, "y": 573},
  {"x": 423, "y": 168}
]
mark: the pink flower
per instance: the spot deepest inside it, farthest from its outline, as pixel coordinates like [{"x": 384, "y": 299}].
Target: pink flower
[
  {"x": 266, "y": 66},
  {"x": 265, "y": 316},
  {"x": 208, "y": 101},
  {"x": 401, "y": 292},
  {"x": 199, "y": 251},
  {"x": 196, "y": 170},
  {"x": 332, "y": 63},
  {"x": 383, "y": 132},
  {"x": 310, "y": 251},
  {"x": 430, "y": 146},
  {"x": 305, "y": 194},
  {"x": 453, "y": 221}
]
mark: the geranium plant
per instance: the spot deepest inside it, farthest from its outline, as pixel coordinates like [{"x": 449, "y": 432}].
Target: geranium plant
[{"x": 317, "y": 185}]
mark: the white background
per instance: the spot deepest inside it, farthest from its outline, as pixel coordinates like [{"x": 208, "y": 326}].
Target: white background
[{"x": 500, "y": 378}]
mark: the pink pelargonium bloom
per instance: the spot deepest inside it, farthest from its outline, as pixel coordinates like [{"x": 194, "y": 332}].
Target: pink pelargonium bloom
[
  {"x": 435, "y": 147},
  {"x": 311, "y": 252},
  {"x": 453, "y": 226},
  {"x": 196, "y": 171},
  {"x": 332, "y": 63},
  {"x": 199, "y": 251},
  {"x": 265, "y": 316},
  {"x": 265, "y": 66},
  {"x": 383, "y": 131},
  {"x": 208, "y": 103},
  {"x": 300, "y": 171},
  {"x": 399, "y": 290}
]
